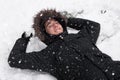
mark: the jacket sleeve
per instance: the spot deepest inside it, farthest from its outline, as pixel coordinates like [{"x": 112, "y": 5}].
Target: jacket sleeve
[
  {"x": 40, "y": 61},
  {"x": 87, "y": 28}
]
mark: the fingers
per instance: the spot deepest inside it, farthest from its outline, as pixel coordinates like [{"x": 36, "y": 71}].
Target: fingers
[
  {"x": 24, "y": 35},
  {"x": 31, "y": 35}
]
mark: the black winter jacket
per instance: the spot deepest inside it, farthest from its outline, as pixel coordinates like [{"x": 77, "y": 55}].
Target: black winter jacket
[{"x": 71, "y": 57}]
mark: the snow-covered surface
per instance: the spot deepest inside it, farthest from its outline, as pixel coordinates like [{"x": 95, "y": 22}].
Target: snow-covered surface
[{"x": 16, "y": 16}]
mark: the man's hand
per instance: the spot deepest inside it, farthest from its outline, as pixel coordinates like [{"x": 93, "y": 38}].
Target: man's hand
[{"x": 24, "y": 36}]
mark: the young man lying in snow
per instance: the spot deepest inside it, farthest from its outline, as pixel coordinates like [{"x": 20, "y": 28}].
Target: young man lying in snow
[{"x": 67, "y": 56}]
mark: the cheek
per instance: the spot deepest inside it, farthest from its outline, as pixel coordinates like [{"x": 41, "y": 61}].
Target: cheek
[
  {"x": 49, "y": 30},
  {"x": 61, "y": 27}
]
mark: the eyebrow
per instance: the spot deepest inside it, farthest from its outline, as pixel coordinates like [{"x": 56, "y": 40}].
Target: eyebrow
[{"x": 47, "y": 23}]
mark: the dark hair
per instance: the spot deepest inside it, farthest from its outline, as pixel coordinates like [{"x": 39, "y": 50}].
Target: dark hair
[{"x": 44, "y": 15}]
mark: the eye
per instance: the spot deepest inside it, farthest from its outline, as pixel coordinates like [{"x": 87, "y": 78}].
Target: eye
[
  {"x": 49, "y": 26},
  {"x": 56, "y": 22}
]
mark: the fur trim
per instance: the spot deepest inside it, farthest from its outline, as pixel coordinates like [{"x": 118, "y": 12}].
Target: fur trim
[{"x": 42, "y": 17}]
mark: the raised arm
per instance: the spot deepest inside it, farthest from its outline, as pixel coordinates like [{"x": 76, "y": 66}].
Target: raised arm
[
  {"x": 88, "y": 28},
  {"x": 40, "y": 61}
]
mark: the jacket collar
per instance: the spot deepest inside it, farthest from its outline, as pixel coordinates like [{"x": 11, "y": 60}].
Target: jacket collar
[{"x": 53, "y": 38}]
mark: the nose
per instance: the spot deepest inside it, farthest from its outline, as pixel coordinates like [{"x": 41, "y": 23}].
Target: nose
[{"x": 55, "y": 26}]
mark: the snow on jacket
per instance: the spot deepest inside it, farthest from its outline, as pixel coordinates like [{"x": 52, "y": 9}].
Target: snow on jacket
[{"x": 70, "y": 57}]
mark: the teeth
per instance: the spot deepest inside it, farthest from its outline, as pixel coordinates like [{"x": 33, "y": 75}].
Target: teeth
[{"x": 57, "y": 30}]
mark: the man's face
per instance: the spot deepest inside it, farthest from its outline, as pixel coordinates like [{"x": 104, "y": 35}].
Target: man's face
[{"x": 53, "y": 27}]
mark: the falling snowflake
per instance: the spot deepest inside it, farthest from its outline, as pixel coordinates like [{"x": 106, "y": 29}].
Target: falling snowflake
[
  {"x": 53, "y": 52},
  {"x": 32, "y": 66},
  {"x": 113, "y": 73},
  {"x": 75, "y": 24},
  {"x": 88, "y": 22},
  {"x": 106, "y": 70},
  {"x": 41, "y": 14},
  {"x": 13, "y": 57},
  {"x": 40, "y": 70},
  {"x": 60, "y": 58},
  {"x": 76, "y": 57},
  {"x": 23, "y": 44},
  {"x": 9, "y": 62},
  {"x": 67, "y": 67},
  {"x": 92, "y": 26},
  {"x": 61, "y": 46},
  {"x": 86, "y": 70},
  {"x": 101, "y": 60},
  {"x": 93, "y": 48},
  {"x": 92, "y": 31},
  {"x": 65, "y": 72},
  {"x": 19, "y": 61}
]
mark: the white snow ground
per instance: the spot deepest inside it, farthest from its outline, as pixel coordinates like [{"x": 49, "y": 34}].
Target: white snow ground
[{"x": 16, "y": 16}]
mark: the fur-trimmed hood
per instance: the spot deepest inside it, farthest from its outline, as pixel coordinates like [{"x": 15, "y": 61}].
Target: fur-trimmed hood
[{"x": 41, "y": 18}]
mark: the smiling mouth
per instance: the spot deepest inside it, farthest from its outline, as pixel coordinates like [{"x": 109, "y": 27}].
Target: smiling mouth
[{"x": 57, "y": 30}]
